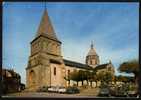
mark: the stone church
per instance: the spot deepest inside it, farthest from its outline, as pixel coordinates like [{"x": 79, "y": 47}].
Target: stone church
[{"x": 46, "y": 66}]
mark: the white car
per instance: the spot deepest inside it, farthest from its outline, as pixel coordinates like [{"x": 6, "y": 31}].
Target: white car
[
  {"x": 62, "y": 90},
  {"x": 52, "y": 89},
  {"x": 57, "y": 89}
]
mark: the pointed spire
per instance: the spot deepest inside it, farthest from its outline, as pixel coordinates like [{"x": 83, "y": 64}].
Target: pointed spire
[
  {"x": 110, "y": 62},
  {"x": 46, "y": 27},
  {"x": 45, "y": 6},
  {"x": 92, "y": 45}
]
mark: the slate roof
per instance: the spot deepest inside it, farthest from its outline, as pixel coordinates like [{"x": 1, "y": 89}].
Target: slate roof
[
  {"x": 55, "y": 61},
  {"x": 102, "y": 66},
  {"x": 46, "y": 27},
  {"x": 77, "y": 64}
]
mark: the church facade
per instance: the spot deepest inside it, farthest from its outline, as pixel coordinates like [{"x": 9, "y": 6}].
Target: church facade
[{"x": 46, "y": 66}]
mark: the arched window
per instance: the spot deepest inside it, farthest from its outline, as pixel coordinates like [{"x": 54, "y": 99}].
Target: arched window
[
  {"x": 32, "y": 77},
  {"x": 68, "y": 72},
  {"x": 49, "y": 47},
  {"x": 44, "y": 46},
  {"x": 91, "y": 62},
  {"x": 109, "y": 68},
  {"x": 54, "y": 70},
  {"x": 56, "y": 49}
]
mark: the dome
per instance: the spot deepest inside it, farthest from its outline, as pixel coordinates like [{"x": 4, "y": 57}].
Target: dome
[{"x": 92, "y": 52}]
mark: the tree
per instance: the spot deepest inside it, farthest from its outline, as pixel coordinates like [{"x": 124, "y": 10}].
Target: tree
[
  {"x": 74, "y": 76},
  {"x": 122, "y": 78},
  {"x": 108, "y": 77},
  {"x": 91, "y": 76},
  {"x": 81, "y": 75},
  {"x": 104, "y": 77},
  {"x": 131, "y": 66}
]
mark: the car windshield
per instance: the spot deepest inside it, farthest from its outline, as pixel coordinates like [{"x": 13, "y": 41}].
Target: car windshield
[{"x": 105, "y": 90}]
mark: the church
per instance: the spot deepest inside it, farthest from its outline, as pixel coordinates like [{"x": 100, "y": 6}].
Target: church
[{"x": 46, "y": 66}]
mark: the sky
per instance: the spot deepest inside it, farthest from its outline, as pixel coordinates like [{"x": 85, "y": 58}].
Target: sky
[{"x": 113, "y": 28}]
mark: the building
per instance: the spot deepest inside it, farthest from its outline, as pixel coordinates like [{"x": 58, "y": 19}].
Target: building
[
  {"x": 11, "y": 81},
  {"x": 46, "y": 66}
]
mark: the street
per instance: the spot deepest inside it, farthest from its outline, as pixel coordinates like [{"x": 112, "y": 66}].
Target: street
[{"x": 83, "y": 93}]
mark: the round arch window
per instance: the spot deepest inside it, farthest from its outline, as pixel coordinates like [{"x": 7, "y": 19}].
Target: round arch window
[{"x": 32, "y": 77}]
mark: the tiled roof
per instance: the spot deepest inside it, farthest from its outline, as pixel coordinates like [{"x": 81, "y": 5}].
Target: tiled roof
[{"x": 77, "y": 64}]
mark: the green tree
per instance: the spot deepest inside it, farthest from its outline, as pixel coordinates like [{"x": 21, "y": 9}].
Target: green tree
[
  {"x": 92, "y": 76},
  {"x": 81, "y": 75},
  {"x": 108, "y": 77},
  {"x": 131, "y": 66},
  {"x": 122, "y": 78},
  {"x": 104, "y": 77},
  {"x": 73, "y": 76}
]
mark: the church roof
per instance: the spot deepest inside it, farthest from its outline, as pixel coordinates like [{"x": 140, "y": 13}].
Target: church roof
[
  {"x": 45, "y": 27},
  {"x": 92, "y": 51},
  {"x": 77, "y": 64},
  {"x": 102, "y": 66}
]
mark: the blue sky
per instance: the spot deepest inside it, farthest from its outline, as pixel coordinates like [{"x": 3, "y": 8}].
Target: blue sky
[{"x": 113, "y": 27}]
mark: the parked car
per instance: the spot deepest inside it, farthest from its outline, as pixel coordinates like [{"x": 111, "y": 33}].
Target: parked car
[
  {"x": 132, "y": 90},
  {"x": 132, "y": 93},
  {"x": 104, "y": 92},
  {"x": 120, "y": 91},
  {"x": 112, "y": 91},
  {"x": 72, "y": 90},
  {"x": 57, "y": 89},
  {"x": 62, "y": 90},
  {"x": 43, "y": 89},
  {"x": 53, "y": 89}
]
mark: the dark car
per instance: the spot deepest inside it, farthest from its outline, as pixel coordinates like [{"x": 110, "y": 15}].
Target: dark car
[
  {"x": 132, "y": 94},
  {"x": 112, "y": 91},
  {"x": 43, "y": 89},
  {"x": 119, "y": 91},
  {"x": 104, "y": 92},
  {"x": 72, "y": 90}
]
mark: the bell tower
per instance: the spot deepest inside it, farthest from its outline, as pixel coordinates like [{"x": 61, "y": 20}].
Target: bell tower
[
  {"x": 46, "y": 39},
  {"x": 44, "y": 48},
  {"x": 92, "y": 58}
]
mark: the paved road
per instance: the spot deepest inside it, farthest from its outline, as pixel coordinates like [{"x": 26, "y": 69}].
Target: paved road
[{"x": 83, "y": 93}]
